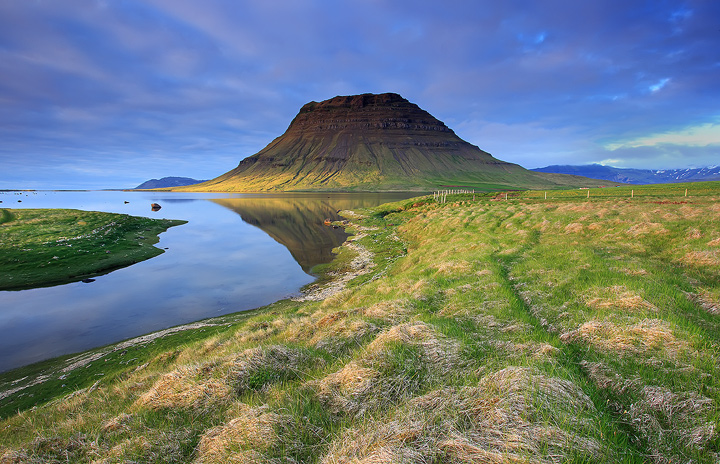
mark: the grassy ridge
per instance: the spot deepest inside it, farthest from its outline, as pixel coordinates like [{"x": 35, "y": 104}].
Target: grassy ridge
[
  {"x": 524, "y": 330},
  {"x": 43, "y": 247}
]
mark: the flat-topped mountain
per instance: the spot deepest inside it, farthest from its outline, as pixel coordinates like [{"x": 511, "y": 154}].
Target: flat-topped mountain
[{"x": 372, "y": 142}]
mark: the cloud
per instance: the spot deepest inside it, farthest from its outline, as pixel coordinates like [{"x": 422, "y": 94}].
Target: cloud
[
  {"x": 659, "y": 85},
  {"x": 664, "y": 156},
  {"x": 695, "y": 136}
]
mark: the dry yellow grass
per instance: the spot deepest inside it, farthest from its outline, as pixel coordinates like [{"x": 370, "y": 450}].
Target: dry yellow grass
[
  {"x": 633, "y": 272},
  {"x": 182, "y": 388},
  {"x": 644, "y": 228},
  {"x": 117, "y": 423},
  {"x": 453, "y": 267},
  {"x": 346, "y": 389},
  {"x": 359, "y": 386},
  {"x": 262, "y": 330},
  {"x": 413, "y": 288},
  {"x": 702, "y": 258},
  {"x": 708, "y": 298},
  {"x": 242, "y": 439},
  {"x": 493, "y": 422},
  {"x": 439, "y": 350},
  {"x": 390, "y": 310},
  {"x": 129, "y": 446},
  {"x": 693, "y": 233},
  {"x": 616, "y": 297},
  {"x": 642, "y": 337},
  {"x": 574, "y": 228}
]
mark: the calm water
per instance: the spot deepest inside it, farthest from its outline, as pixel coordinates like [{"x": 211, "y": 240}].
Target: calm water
[{"x": 236, "y": 252}]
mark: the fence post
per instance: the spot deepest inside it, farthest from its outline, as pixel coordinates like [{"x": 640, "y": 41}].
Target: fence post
[
  {"x": 632, "y": 193},
  {"x": 685, "y": 192}
]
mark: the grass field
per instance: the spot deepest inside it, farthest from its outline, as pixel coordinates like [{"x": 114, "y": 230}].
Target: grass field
[
  {"x": 486, "y": 330},
  {"x": 44, "y": 247}
]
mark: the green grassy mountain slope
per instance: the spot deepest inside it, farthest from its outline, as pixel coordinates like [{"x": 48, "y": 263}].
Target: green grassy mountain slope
[{"x": 374, "y": 142}]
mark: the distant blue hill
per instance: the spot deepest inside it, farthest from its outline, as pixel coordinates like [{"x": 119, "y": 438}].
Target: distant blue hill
[
  {"x": 168, "y": 182},
  {"x": 636, "y": 176}
]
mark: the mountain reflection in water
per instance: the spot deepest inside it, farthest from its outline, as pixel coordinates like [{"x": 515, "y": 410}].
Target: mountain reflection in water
[
  {"x": 296, "y": 221},
  {"x": 218, "y": 263}
]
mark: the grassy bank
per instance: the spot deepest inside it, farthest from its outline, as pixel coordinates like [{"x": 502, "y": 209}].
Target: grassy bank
[
  {"x": 485, "y": 330},
  {"x": 44, "y": 247}
]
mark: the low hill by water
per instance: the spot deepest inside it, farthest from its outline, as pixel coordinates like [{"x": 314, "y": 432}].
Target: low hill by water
[{"x": 167, "y": 182}]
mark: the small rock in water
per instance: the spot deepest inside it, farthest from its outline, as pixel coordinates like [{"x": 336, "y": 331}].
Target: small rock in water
[
  {"x": 87, "y": 281},
  {"x": 155, "y": 207}
]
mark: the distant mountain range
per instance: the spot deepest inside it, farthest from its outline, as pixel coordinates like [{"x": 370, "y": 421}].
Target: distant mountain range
[
  {"x": 636, "y": 176},
  {"x": 168, "y": 182}
]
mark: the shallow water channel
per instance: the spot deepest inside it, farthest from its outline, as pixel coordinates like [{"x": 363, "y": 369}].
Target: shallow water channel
[{"x": 237, "y": 252}]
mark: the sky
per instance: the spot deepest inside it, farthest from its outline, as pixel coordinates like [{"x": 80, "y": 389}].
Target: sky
[{"x": 110, "y": 93}]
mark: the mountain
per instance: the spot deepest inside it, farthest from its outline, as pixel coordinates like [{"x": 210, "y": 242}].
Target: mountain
[
  {"x": 636, "y": 176},
  {"x": 374, "y": 142},
  {"x": 168, "y": 182}
]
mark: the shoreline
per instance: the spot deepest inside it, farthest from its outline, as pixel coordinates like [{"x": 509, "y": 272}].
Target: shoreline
[
  {"x": 519, "y": 330},
  {"x": 328, "y": 283}
]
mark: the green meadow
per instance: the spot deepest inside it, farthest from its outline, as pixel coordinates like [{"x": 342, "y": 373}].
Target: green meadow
[
  {"x": 573, "y": 328},
  {"x": 43, "y": 247}
]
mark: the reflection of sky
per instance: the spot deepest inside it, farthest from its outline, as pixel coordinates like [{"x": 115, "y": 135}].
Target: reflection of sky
[{"x": 216, "y": 264}]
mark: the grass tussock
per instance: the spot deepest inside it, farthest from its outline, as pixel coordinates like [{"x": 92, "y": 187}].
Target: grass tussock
[
  {"x": 709, "y": 258},
  {"x": 645, "y": 336},
  {"x": 257, "y": 368},
  {"x": 672, "y": 424},
  {"x": 618, "y": 297},
  {"x": 242, "y": 439},
  {"x": 396, "y": 364},
  {"x": 496, "y": 421},
  {"x": 184, "y": 388}
]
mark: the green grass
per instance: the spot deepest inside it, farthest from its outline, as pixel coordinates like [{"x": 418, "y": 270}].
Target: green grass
[
  {"x": 44, "y": 247},
  {"x": 519, "y": 330}
]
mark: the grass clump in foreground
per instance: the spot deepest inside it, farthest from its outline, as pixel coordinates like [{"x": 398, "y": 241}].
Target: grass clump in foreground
[
  {"x": 524, "y": 330},
  {"x": 44, "y": 247}
]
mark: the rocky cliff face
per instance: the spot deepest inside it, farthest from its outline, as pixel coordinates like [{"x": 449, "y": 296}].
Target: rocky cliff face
[
  {"x": 368, "y": 142},
  {"x": 364, "y": 113}
]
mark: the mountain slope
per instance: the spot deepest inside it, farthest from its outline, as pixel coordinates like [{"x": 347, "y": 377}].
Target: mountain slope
[
  {"x": 372, "y": 142},
  {"x": 636, "y": 176}
]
